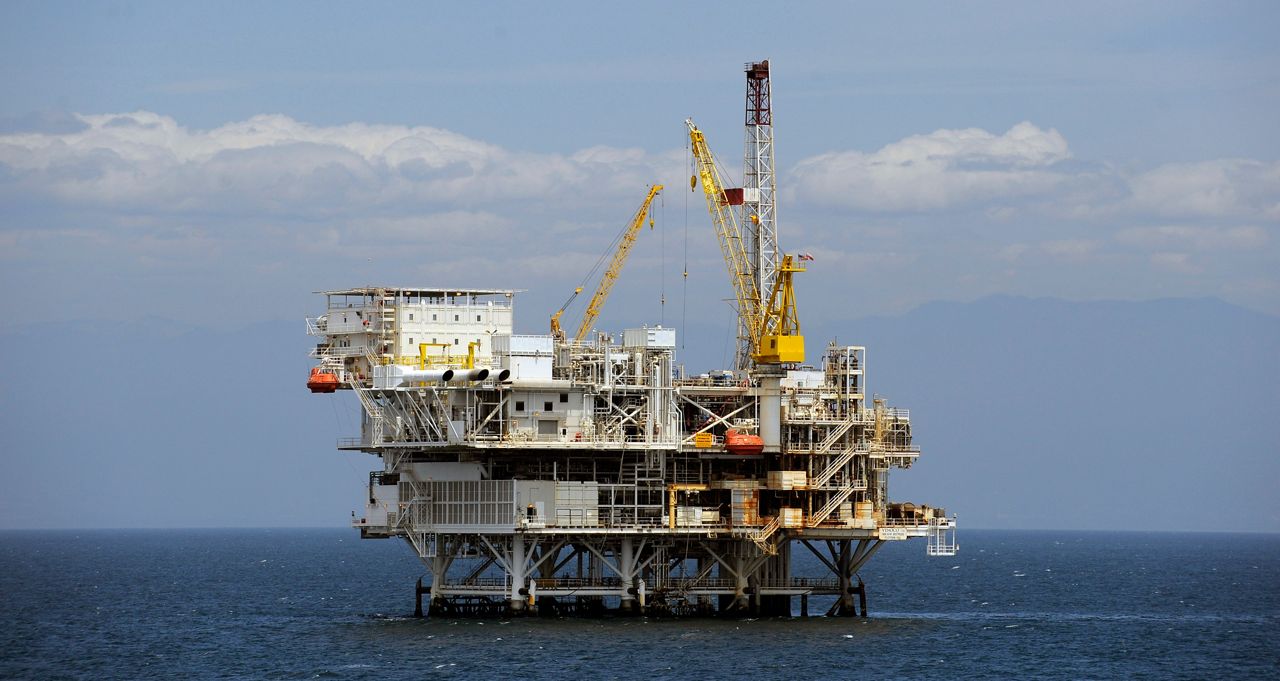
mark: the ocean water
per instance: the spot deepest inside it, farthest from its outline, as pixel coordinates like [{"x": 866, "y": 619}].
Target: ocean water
[{"x": 301, "y": 604}]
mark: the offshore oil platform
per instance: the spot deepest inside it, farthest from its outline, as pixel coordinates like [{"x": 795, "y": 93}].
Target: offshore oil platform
[{"x": 581, "y": 474}]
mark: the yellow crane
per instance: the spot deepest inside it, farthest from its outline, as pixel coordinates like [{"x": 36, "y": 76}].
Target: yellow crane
[
  {"x": 732, "y": 245},
  {"x": 611, "y": 273},
  {"x": 555, "y": 318},
  {"x": 770, "y": 329},
  {"x": 780, "y": 341}
]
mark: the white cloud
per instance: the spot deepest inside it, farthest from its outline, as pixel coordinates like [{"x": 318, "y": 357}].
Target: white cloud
[
  {"x": 956, "y": 169},
  {"x": 124, "y": 197},
  {"x": 273, "y": 164},
  {"x": 942, "y": 169},
  {"x": 1240, "y": 188},
  {"x": 277, "y": 164}
]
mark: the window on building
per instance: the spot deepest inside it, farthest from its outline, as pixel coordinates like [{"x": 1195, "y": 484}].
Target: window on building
[
  {"x": 455, "y": 318},
  {"x": 411, "y": 341},
  {"x": 477, "y": 318},
  {"x": 564, "y": 398},
  {"x": 433, "y": 318},
  {"x": 410, "y": 316},
  {"x": 455, "y": 341},
  {"x": 546, "y": 406},
  {"x": 519, "y": 405}
]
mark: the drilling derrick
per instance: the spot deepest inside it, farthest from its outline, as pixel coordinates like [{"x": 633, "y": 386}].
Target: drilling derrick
[
  {"x": 758, "y": 183},
  {"x": 565, "y": 474}
]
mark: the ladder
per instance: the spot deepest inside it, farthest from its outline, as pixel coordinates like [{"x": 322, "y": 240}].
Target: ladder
[
  {"x": 942, "y": 537},
  {"x": 387, "y": 327}
]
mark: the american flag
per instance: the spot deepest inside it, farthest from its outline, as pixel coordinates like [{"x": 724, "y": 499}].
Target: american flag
[{"x": 806, "y": 256}]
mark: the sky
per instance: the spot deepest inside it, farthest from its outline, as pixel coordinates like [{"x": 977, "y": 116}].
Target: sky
[
  {"x": 214, "y": 164},
  {"x": 221, "y": 161}
]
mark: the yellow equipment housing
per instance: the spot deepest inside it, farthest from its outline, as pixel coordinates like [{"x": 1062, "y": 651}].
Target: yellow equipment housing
[{"x": 780, "y": 340}]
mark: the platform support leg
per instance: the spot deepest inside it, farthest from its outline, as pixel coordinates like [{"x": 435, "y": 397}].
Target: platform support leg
[
  {"x": 862, "y": 598},
  {"x": 516, "y": 600},
  {"x": 626, "y": 560},
  {"x": 741, "y": 597},
  {"x": 417, "y": 597}
]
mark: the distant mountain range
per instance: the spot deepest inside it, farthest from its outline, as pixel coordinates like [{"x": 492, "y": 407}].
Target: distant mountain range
[{"x": 1032, "y": 413}]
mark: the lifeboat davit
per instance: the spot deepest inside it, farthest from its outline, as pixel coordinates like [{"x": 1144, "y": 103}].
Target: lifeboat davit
[
  {"x": 743, "y": 443},
  {"x": 322, "y": 381}
]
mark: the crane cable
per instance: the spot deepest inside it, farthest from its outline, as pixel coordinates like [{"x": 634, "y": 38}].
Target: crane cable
[
  {"x": 662, "y": 276},
  {"x": 608, "y": 252},
  {"x": 684, "y": 282}
]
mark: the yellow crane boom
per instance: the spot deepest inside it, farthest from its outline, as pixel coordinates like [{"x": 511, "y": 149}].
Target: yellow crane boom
[
  {"x": 611, "y": 273},
  {"x": 769, "y": 330},
  {"x": 555, "y": 318},
  {"x": 730, "y": 237},
  {"x": 615, "y": 266}
]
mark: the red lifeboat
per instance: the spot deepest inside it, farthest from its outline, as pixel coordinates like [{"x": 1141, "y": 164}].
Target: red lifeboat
[
  {"x": 742, "y": 443},
  {"x": 322, "y": 381}
]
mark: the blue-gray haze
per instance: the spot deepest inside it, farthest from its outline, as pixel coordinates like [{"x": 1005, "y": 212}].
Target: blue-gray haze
[{"x": 1031, "y": 413}]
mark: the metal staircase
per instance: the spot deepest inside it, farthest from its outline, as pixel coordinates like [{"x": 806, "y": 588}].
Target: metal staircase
[
  {"x": 835, "y": 435},
  {"x": 839, "y": 497},
  {"x": 761, "y": 538},
  {"x": 837, "y": 464}
]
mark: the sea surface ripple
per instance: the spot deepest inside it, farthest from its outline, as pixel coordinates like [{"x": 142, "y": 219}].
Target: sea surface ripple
[{"x": 304, "y": 604}]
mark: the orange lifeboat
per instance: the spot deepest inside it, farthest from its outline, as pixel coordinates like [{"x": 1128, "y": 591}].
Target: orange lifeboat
[
  {"x": 742, "y": 443},
  {"x": 322, "y": 381}
]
